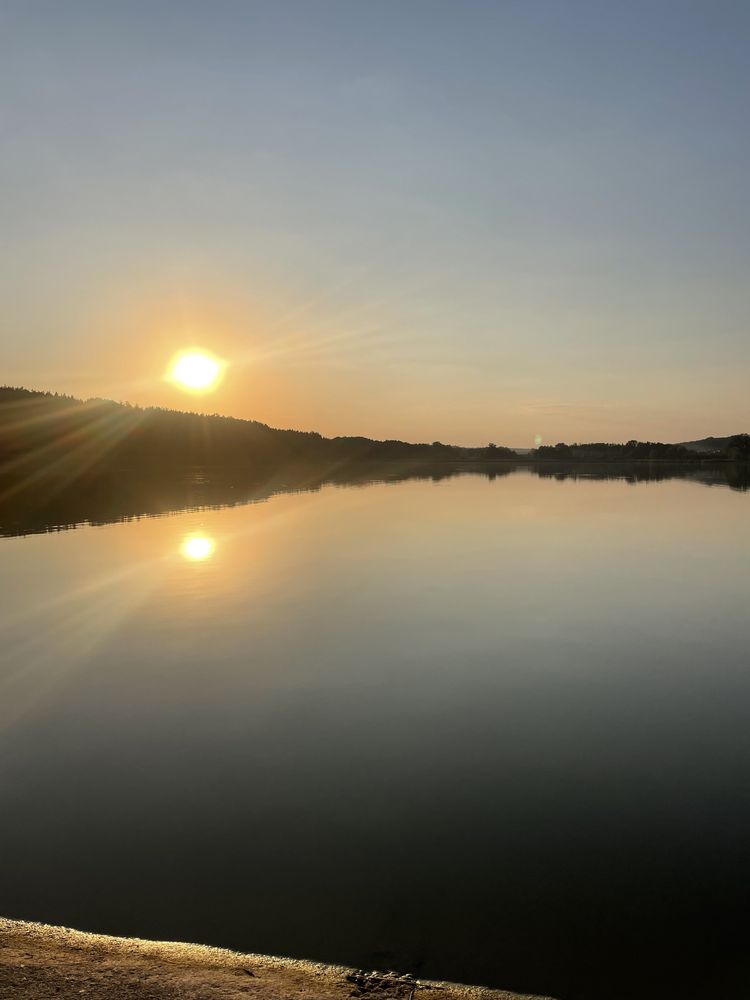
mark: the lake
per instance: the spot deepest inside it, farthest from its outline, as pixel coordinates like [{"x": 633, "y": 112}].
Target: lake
[{"x": 488, "y": 728}]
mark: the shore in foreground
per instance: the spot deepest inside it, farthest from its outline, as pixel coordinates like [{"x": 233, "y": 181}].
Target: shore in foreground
[{"x": 38, "y": 962}]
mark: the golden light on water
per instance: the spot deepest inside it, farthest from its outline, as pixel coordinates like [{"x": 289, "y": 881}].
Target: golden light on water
[
  {"x": 196, "y": 548},
  {"x": 196, "y": 371}
]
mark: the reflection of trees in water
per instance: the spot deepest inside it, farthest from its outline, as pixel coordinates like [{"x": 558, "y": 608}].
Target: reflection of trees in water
[
  {"x": 104, "y": 497},
  {"x": 734, "y": 475},
  {"x": 109, "y": 496}
]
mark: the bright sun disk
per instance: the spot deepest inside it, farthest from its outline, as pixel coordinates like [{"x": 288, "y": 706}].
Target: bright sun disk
[{"x": 195, "y": 370}]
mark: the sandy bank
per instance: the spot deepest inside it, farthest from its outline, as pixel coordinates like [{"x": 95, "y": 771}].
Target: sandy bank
[{"x": 53, "y": 963}]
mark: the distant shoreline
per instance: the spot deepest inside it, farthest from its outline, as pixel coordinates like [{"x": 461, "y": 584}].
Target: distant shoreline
[{"x": 43, "y": 433}]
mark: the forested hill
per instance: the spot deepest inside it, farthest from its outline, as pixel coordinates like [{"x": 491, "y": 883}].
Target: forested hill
[
  {"x": 44, "y": 432},
  {"x": 736, "y": 448},
  {"x": 48, "y": 431},
  {"x": 709, "y": 444}
]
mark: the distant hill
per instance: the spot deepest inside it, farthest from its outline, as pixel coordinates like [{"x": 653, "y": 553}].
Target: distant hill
[
  {"x": 708, "y": 444},
  {"x": 44, "y": 434},
  {"x": 602, "y": 451},
  {"x": 48, "y": 434},
  {"x": 735, "y": 449}
]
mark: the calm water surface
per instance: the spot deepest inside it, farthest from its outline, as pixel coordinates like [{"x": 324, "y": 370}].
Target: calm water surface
[{"x": 486, "y": 730}]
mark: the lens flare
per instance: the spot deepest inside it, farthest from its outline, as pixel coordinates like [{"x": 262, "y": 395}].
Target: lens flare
[
  {"x": 196, "y": 548},
  {"x": 196, "y": 371}
]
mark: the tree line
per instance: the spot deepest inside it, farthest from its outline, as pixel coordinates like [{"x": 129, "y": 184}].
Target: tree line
[
  {"x": 47, "y": 433},
  {"x": 737, "y": 449},
  {"x": 52, "y": 431}
]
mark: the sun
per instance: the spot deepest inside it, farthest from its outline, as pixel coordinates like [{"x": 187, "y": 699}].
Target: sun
[{"x": 196, "y": 371}]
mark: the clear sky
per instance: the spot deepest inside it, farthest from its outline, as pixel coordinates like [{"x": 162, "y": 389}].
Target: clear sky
[{"x": 464, "y": 221}]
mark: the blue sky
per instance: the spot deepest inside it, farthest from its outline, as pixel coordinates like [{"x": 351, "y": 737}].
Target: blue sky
[{"x": 458, "y": 221}]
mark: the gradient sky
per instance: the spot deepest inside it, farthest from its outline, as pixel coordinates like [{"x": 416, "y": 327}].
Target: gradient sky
[{"x": 464, "y": 221}]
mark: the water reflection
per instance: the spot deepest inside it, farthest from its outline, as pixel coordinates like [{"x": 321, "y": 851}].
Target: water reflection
[
  {"x": 120, "y": 496},
  {"x": 483, "y": 731},
  {"x": 196, "y": 548}
]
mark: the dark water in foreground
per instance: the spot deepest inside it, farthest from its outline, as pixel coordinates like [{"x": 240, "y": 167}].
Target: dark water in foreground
[{"x": 491, "y": 730}]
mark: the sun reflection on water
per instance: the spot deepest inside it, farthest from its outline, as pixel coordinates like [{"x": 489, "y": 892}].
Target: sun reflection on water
[{"x": 196, "y": 548}]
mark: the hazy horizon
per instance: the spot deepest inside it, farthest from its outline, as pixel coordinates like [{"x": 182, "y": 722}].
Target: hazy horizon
[
  {"x": 188, "y": 408},
  {"x": 425, "y": 221}
]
